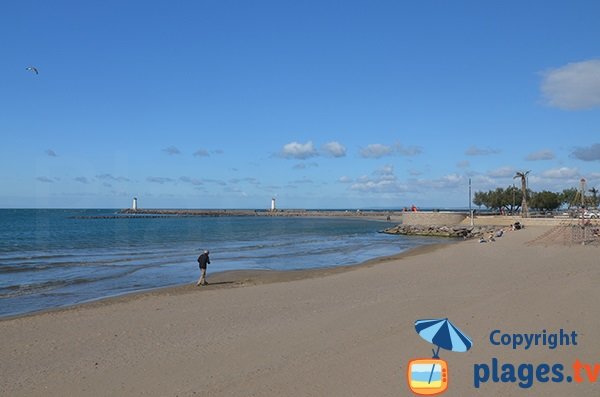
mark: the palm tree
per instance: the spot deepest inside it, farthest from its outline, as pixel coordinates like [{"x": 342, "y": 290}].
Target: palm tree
[{"x": 523, "y": 176}]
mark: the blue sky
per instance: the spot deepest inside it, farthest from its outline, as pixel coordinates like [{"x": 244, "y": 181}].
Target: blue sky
[{"x": 321, "y": 104}]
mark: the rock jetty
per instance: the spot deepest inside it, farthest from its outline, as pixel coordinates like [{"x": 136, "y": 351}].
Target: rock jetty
[
  {"x": 375, "y": 214},
  {"x": 443, "y": 231}
]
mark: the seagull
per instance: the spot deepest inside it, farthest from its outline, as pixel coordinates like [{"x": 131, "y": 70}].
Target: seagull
[{"x": 32, "y": 69}]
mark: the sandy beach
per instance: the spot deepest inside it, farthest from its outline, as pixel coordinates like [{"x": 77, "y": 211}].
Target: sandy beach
[{"x": 331, "y": 332}]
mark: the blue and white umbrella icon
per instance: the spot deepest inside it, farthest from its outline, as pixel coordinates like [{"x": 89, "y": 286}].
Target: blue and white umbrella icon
[{"x": 442, "y": 333}]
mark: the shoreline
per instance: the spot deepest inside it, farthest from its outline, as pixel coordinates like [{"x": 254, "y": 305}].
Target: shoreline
[
  {"x": 345, "y": 333},
  {"x": 235, "y": 279},
  {"x": 92, "y": 270},
  {"x": 241, "y": 278}
]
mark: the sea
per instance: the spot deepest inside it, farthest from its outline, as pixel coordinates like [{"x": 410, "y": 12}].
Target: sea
[{"x": 52, "y": 258}]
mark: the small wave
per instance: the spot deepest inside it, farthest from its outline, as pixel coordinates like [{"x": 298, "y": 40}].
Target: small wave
[
  {"x": 46, "y": 286},
  {"x": 28, "y": 289},
  {"x": 57, "y": 262}
]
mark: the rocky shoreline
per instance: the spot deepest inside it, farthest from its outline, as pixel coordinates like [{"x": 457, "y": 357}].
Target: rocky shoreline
[{"x": 457, "y": 231}]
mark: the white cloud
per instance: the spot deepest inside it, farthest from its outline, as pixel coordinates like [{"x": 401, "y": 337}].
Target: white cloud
[
  {"x": 334, "y": 149},
  {"x": 193, "y": 181},
  {"x": 378, "y": 150},
  {"x": 450, "y": 181},
  {"x": 171, "y": 150},
  {"x": 560, "y": 173},
  {"x": 594, "y": 175},
  {"x": 544, "y": 154},
  {"x": 301, "y": 166},
  {"x": 112, "y": 178},
  {"x": 591, "y": 153},
  {"x": 215, "y": 181},
  {"x": 249, "y": 180},
  {"x": 158, "y": 179},
  {"x": 301, "y": 151},
  {"x": 382, "y": 180},
  {"x": 387, "y": 171},
  {"x": 345, "y": 179},
  {"x": 82, "y": 179},
  {"x": 44, "y": 179},
  {"x": 555, "y": 180},
  {"x": 463, "y": 164},
  {"x": 201, "y": 153},
  {"x": 407, "y": 151},
  {"x": 502, "y": 172},
  {"x": 375, "y": 151},
  {"x": 376, "y": 186},
  {"x": 573, "y": 86},
  {"x": 483, "y": 182},
  {"x": 476, "y": 151},
  {"x": 302, "y": 181}
]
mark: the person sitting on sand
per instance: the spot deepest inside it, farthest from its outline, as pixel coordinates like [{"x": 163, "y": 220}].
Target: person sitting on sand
[
  {"x": 482, "y": 240},
  {"x": 203, "y": 260}
]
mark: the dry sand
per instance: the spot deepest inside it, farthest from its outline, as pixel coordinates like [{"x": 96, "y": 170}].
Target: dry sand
[{"x": 344, "y": 332}]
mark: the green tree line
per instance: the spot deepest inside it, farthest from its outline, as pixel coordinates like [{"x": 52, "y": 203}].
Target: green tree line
[{"x": 509, "y": 199}]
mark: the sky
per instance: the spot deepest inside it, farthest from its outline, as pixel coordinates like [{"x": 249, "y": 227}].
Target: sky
[{"x": 319, "y": 104}]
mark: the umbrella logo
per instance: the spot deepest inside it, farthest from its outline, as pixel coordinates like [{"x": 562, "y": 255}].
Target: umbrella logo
[{"x": 428, "y": 377}]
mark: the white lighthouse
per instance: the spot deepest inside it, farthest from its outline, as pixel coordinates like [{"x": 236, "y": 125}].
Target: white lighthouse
[
  {"x": 273, "y": 204},
  {"x": 134, "y": 204}
]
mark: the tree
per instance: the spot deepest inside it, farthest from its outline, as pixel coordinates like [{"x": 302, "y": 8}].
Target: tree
[
  {"x": 567, "y": 197},
  {"x": 514, "y": 197},
  {"x": 480, "y": 198},
  {"x": 500, "y": 199},
  {"x": 545, "y": 200},
  {"x": 523, "y": 176},
  {"x": 593, "y": 199}
]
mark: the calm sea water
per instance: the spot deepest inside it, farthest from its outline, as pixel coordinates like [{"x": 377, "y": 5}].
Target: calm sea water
[{"x": 54, "y": 258}]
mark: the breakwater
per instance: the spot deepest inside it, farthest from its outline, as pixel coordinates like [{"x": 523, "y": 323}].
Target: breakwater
[
  {"x": 443, "y": 231},
  {"x": 285, "y": 213}
]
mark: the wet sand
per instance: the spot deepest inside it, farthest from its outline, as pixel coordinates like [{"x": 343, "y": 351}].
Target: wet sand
[{"x": 328, "y": 332}]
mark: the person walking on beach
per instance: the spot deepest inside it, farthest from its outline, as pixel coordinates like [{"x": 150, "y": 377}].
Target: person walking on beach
[{"x": 203, "y": 260}]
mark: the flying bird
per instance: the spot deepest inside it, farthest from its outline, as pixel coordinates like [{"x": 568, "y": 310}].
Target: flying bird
[{"x": 32, "y": 69}]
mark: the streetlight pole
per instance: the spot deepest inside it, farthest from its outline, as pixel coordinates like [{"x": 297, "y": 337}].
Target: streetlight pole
[
  {"x": 470, "y": 210},
  {"x": 512, "y": 209}
]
